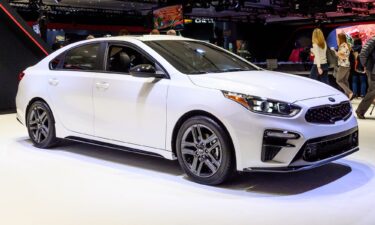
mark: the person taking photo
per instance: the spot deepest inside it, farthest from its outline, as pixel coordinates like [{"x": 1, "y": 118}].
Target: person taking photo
[{"x": 367, "y": 58}]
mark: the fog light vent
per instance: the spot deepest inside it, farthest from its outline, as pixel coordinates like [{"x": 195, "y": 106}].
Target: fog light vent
[
  {"x": 281, "y": 134},
  {"x": 274, "y": 141}
]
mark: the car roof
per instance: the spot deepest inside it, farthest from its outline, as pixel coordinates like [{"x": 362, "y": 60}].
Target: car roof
[
  {"x": 143, "y": 38},
  {"x": 130, "y": 38}
]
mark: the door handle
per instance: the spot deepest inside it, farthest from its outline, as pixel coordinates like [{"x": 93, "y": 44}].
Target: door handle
[
  {"x": 53, "y": 81},
  {"x": 102, "y": 85}
]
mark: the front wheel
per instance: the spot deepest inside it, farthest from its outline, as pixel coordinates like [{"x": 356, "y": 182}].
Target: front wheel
[
  {"x": 204, "y": 151},
  {"x": 41, "y": 125}
]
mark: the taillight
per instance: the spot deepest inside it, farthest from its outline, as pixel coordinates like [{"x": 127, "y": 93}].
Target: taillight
[{"x": 20, "y": 76}]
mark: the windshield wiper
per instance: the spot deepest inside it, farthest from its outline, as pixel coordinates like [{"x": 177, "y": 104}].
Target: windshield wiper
[
  {"x": 198, "y": 72},
  {"x": 233, "y": 70}
]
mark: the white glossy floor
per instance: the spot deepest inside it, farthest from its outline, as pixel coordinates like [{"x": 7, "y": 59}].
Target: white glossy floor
[{"x": 77, "y": 184}]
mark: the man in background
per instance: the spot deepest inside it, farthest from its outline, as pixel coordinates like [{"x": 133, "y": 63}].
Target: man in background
[
  {"x": 155, "y": 32},
  {"x": 367, "y": 58},
  {"x": 58, "y": 43},
  {"x": 123, "y": 32},
  {"x": 171, "y": 32}
]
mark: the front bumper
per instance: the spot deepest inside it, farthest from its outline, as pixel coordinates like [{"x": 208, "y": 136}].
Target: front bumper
[
  {"x": 247, "y": 131},
  {"x": 319, "y": 151}
]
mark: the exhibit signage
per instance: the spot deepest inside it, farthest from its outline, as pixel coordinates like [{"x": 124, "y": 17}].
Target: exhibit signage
[{"x": 203, "y": 20}]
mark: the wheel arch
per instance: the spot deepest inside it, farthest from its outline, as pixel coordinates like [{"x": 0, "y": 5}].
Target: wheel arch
[
  {"x": 34, "y": 100},
  {"x": 191, "y": 114}
]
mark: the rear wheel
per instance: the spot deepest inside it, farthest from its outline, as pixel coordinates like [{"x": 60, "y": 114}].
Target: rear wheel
[
  {"x": 204, "y": 151},
  {"x": 41, "y": 125}
]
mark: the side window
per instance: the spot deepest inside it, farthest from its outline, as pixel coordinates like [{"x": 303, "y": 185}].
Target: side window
[
  {"x": 55, "y": 63},
  {"x": 121, "y": 59},
  {"x": 82, "y": 58}
]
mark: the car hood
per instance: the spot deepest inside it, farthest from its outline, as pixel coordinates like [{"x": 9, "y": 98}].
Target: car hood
[{"x": 267, "y": 84}]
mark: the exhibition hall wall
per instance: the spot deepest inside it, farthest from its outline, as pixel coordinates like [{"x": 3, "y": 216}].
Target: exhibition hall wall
[{"x": 20, "y": 48}]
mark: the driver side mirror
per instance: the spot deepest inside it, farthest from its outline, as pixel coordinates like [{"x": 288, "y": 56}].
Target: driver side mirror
[{"x": 145, "y": 70}]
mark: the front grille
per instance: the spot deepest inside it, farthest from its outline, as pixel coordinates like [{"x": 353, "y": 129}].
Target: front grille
[
  {"x": 329, "y": 114},
  {"x": 315, "y": 150}
]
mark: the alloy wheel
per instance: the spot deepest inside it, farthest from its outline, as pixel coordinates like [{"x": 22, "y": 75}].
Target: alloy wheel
[
  {"x": 39, "y": 124},
  {"x": 201, "y": 150}
]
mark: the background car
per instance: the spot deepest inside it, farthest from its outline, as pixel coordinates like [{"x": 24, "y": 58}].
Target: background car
[{"x": 184, "y": 99}]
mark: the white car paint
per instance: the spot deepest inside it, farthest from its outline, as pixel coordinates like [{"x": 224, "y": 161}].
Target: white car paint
[
  {"x": 142, "y": 113},
  {"x": 274, "y": 85}
]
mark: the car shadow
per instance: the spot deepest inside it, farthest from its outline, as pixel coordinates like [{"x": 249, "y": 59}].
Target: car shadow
[
  {"x": 292, "y": 183},
  {"x": 122, "y": 157},
  {"x": 260, "y": 184}
]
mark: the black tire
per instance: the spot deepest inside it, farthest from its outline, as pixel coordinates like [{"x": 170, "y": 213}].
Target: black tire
[
  {"x": 221, "y": 157},
  {"x": 41, "y": 125}
]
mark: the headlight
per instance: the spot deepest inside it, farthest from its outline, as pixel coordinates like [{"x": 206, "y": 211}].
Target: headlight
[{"x": 263, "y": 105}]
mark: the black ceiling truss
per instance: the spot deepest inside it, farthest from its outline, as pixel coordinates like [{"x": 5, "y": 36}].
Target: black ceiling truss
[
  {"x": 269, "y": 11},
  {"x": 282, "y": 11},
  {"x": 36, "y": 9}
]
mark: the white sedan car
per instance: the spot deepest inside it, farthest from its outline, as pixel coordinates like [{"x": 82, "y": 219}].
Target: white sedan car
[{"x": 184, "y": 99}]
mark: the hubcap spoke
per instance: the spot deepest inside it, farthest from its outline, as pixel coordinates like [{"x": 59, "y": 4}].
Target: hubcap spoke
[
  {"x": 212, "y": 147},
  {"x": 210, "y": 166},
  {"x": 45, "y": 128},
  {"x": 194, "y": 164},
  {"x": 199, "y": 168},
  {"x": 199, "y": 131},
  {"x": 43, "y": 131},
  {"x": 38, "y": 136},
  {"x": 210, "y": 139},
  {"x": 195, "y": 134},
  {"x": 188, "y": 144},
  {"x": 43, "y": 117},
  {"x": 32, "y": 122},
  {"x": 33, "y": 118},
  {"x": 213, "y": 160},
  {"x": 37, "y": 113},
  {"x": 186, "y": 151},
  {"x": 34, "y": 127}
]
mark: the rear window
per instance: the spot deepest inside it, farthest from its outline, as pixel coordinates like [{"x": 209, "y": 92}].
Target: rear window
[
  {"x": 56, "y": 62},
  {"x": 82, "y": 58}
]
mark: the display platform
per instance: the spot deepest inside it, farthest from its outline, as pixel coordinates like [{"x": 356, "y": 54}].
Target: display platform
[{"x": 83, "y": 184}]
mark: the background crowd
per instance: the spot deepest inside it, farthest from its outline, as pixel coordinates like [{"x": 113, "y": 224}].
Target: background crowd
[{"x": 347, "y": 60}]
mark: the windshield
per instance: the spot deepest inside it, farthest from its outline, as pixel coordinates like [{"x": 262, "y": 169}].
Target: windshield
[{"x": 194, "y": 57}]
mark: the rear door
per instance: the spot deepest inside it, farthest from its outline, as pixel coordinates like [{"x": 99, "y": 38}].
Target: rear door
[{"x": 70, "y": 87}]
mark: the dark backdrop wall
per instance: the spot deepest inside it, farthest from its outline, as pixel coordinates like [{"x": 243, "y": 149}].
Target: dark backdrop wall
[
  {"x": 269, "y": 41},
  {"x": 199, "y": 31},
  {"x": 278, "y": 40},
  {"x": 17, "y": 52}
]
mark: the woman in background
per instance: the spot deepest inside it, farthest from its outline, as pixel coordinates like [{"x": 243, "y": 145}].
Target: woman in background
[
  {"x": 319, "y": 71},
  {"x": 359, "y": 73},
  {"x": 343, "y": 71}
]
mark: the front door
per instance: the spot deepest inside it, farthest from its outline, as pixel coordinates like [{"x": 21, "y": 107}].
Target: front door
[{"x": 130, "y": 109}]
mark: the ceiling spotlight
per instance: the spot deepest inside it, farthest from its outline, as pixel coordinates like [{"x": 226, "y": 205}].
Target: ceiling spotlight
[{"x": 237, "y": 5}]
